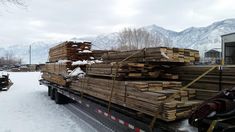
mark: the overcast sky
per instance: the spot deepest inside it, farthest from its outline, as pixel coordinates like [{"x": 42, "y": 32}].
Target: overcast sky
[{"x": 65, "y": 19}]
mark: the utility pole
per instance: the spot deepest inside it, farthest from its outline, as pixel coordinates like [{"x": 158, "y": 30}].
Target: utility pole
[{"x": 30, "y": 54}]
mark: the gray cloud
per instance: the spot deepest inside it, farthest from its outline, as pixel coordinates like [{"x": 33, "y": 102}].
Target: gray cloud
[{"x": 64, "y": 19}]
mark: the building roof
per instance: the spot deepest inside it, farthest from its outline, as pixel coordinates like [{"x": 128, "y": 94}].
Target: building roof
[
  {"x": 227, "y": 34},
  {"x": 214, "y": 50}
]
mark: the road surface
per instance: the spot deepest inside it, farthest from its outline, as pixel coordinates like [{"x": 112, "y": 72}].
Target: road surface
[{"x": 25, "y": 107}]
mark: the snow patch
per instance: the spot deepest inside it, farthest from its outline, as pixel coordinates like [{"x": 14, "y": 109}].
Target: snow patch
[
  {"x": 26, "y": 107},
  {"x": 77, "y": 72},
  {"x": 63, "y": 61},
  {"x": 86, "y": 62},
  {"x": 85, "y": 51}
]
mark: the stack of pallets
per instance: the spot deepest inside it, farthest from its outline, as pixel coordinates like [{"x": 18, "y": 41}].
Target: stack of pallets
[{"x": 141, "y": 82}]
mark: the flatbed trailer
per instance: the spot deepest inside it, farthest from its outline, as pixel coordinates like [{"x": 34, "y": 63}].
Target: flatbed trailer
[{"x": 119, "y": 118}]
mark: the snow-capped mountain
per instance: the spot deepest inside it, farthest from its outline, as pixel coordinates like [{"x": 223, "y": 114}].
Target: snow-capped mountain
[
  {"x": 204, "y": 38},
  {"x": 200, "y": 38},
  {"x": 39, "y": 51}
]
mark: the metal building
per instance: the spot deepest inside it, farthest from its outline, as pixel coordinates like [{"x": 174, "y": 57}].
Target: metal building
[
  {"x": 213, "y": 56},
  {"x": 228, "y": 48}
]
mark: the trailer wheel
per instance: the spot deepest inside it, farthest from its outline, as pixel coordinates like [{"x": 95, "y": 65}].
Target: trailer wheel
[
  {"x": 59, "y": 98},
  {"x": 52, "y": 93},
  {"x": 49, "y": 91}
]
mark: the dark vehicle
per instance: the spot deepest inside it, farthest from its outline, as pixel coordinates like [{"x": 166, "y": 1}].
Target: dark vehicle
[
  {"x": 216, "y": 114},
  {"x": 5, "y": 82}
]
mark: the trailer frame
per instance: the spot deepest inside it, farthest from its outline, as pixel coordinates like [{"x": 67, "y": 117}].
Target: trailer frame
[{"x": 119, "y": 118}]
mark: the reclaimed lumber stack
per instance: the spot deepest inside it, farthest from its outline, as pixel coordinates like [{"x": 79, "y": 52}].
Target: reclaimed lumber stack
[
  {"x": 143, "y": 96},
  {"x": 124, "y": 70},
  {"x": 57, "y": 72},
  {"x": 97, "y": 54},
  {"x": 155, "y": 54},
  {"x": 60, "y": 68},
  {"x": 209, "y": 85},
  {"x": 141, "y": 82},
  {"x": 57, "y": 79},
  {"x": 70, "y": 51}
]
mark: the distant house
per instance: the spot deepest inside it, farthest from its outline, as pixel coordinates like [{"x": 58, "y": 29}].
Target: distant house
[
  {"x": 213, "y": 56},
  {"x": 228, "y": 48}
]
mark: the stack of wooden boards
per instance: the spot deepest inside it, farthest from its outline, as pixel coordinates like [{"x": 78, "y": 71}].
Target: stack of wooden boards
[
  {"x": 125, "y": 70},
  {"x": 61, "y": 58},
  {"x": 69, "y": 51},
  {"x": 209, "y": 85},
  {"x": 143, "y": 96},
  {"x": 142, "y": 82},
  {"x": 156, "y": 54},
  {"x": 57, "y": 72},
  {"x": 97, "y": 54}
]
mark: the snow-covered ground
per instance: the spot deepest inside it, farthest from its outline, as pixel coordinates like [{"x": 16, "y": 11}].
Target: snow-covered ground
[{"x": 25, "y": 107}]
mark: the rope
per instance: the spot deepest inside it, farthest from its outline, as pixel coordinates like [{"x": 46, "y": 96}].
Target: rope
[
  {"x": 132, "y": 55},
  {"x": 111, "y": 94},
  {"x": 220, "y": 77},
  {"x": 173, "y": 95},
  {"x": 83, "y": 83},
  {"x": 212, "y": 126},
  {"x": 125, "y": 94},
  {"x": 115, "y": 75}
]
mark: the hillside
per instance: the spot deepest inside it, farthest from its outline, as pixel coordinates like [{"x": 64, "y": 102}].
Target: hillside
[{"x": 202, "y": 38}]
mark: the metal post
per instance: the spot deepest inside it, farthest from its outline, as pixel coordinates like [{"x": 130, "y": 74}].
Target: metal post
[
  {"x": 30, "y": 54},
  {"x": 222, "y": 51}
]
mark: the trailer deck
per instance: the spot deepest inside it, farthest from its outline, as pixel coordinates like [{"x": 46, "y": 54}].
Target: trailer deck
[{"x": 95, "y": 112}]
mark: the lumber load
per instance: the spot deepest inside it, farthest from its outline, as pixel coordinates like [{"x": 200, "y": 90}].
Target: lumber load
[
  {"x": 155, "y": 54},
  {"x": 97, "y": 54},
  {"x": 142, "y": 96},
  {"x": 67, "y": 61},
  {"x": 62, "y": 69},
  {"x": 57, "y": 79},
  {"x": 124, "y": 70},
  {"x": 70, "y": 51},
  {"x": 129, "y": 70},
  {"x": 209, "y": 85}
]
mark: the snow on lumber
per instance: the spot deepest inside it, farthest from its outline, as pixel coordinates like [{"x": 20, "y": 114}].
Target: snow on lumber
[
  {"x": 142, "y": 82},
  {"x": 85, "y": 51},
  {"x": 86, "y": 62},
  {"x": 68, "y": 60},
  {"x": 77, "y": 72},
  {"x": 70, "y": 51}
]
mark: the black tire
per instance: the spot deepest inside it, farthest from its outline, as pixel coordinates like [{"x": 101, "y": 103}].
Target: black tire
[
  {"x": 52, "y": 93},
  {"x": 49, "y": 91},
  {"x": 59, "y": 98}
]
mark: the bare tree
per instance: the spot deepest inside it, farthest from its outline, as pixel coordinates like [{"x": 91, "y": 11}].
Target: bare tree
[
  {"x": 9, "y": 59},
  {"x": 7, "y": 3},
  {"x": 15, "y": 2},
  {"x": 130, "y": 39}
]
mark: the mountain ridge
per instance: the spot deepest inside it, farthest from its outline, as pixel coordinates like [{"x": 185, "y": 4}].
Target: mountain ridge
[{"x": 200, "y": 38}]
